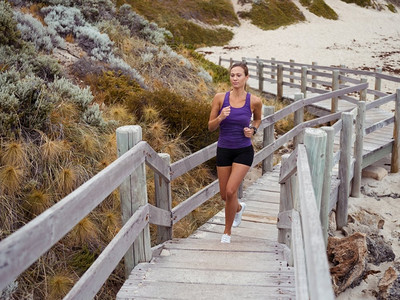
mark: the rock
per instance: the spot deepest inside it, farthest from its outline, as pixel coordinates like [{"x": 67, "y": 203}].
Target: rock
[
  {"x": 374, "y": 172},
  {"x": 379, "y": 250},
  {"x": 349, "y": 257},
  {"x": 389, "y": 285}
]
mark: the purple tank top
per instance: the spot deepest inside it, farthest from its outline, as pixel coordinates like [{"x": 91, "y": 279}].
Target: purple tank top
[{"x": 231, "y": 128}]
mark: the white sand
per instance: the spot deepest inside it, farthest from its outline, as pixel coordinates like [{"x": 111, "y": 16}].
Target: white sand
[
  {"x": 358, "y": 39},
  {"x": 355, "y": 40}
]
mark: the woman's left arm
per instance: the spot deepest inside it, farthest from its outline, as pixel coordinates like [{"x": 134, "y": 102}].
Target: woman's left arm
[{"x": 257, "y": 110}]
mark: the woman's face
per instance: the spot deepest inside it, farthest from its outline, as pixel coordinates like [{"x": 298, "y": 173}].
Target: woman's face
[{"x": 238, "y": 78}]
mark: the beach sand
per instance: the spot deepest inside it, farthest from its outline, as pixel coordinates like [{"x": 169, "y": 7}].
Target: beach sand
[{"x": 361, "y": 39}]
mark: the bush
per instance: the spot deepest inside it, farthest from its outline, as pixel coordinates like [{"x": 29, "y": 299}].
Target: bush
[
  {"x": 62, "y": 19},
  {"x": 32, "y": 30},
  {"x": 96, "y": 44},
  {"x": 95, "y": 10},
  {"x": 142, "y": 28},
  {"x": 27, "y": 61},
  {"x": 9, "y": 35},
  {"x": 186, "y": 118},
  {"x": 219, "y": 74},
  {"x": 23, "y": 103},
  {"x": 272, "y": 14},
  {"x": 320, "y": 8},
  {"x": 362, "y": 3}
]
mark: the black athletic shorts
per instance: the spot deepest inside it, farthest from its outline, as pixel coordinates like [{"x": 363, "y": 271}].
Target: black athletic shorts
[{"x": 226, "y": 157}]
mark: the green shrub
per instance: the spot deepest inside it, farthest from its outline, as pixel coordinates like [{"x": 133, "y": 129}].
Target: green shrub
[
  {"x": 392, "y": 8},
  {"x": 362, "y": 3},
  {"x": 272, "y": 14},
  {"x": 320, "y": 8},
  {"x": 32, "y": 30},
  {"x": 177, "y": 18},
  {"x": 219, "y": 74},
  {"x": 9, "y": 35},
  {"x": 188, "y": 118},
  {"x": 27, "y": 61},
  {"x": 23, "y": 104}
]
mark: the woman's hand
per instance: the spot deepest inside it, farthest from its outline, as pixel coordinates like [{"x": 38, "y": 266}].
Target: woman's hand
[
  {"x": 248, "y": 132},
  {"x": 225, "y": 112}
]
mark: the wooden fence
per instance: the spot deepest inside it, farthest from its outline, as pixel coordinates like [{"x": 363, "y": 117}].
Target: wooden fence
[
  {"x": 22, "y": 248},
  {"x": 312, "y": 78}
]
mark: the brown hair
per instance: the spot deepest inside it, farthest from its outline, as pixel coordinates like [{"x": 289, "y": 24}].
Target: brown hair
[{"x": 241, "y": 64}]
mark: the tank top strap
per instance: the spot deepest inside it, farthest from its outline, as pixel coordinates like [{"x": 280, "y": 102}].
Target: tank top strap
[
  {"x": 247, "y": 104},
  {"x": 226, "y": 99}
]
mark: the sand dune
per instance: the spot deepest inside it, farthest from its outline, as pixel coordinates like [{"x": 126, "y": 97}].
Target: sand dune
[{"x": 360, "y": 38}]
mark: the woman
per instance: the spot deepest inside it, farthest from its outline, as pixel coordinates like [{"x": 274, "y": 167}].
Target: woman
[{"x": 232, "y": 112}]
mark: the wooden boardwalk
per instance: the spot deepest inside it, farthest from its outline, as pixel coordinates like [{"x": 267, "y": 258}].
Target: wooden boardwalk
[{"x": 253, "y": 266}]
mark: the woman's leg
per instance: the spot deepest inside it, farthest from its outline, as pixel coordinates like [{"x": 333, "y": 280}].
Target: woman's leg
[
  {"x": 223, "y": 177},
  {"x": 237, "y": 174}
]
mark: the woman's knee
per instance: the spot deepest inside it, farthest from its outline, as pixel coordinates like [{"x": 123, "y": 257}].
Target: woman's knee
[{"x": 230, "y": 193}]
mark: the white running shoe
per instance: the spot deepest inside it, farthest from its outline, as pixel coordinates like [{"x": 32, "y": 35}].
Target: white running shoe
[
  {"x": 238, "y": 216},
  {"x": 225, "y": 239}
]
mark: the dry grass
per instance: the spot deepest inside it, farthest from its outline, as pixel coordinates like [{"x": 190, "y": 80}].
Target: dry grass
[
  {"x": 37, "y": 201},
  {"x": 59, "y": 285},
  {"x": 11, "y": 178},
  {"x": 85, "y": 232},
  {"x": 14, "y": 154}
]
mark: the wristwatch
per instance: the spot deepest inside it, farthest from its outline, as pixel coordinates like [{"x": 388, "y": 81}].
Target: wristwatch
[{"x": 254, "y": 128}]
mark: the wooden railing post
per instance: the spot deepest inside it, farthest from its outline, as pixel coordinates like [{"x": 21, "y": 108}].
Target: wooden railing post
[
  {"x": 291, "y": 71},
  {"x": 378, "y": 81},
  {"x": 285, "y": 204},
  {"x": 279, "y": 84},
  {"x": 298, "y": 119},
  {"x": 273, "y": 69},
  {"x": 315, "y": 143},
  {"x": 260, "y": 70},
  {"x": 314, "y": 77},
  {"x": 133, "y": 194},
  {"x": 344, "y": 169},
  {"x": 326, "y": 185},
  {"x": 396, "y": 136},
  {"x": 163, "y": 200},
  {"x": 363, "y": 93},
  {"x": 358, "y": 149},
  {"x": 335, "y": 86},
  {"x": 219, "y": 60},
  {"x": 304, "y": 81},
  {"x": 230, "y": 62},
  {"x": 268, "y": 138}
]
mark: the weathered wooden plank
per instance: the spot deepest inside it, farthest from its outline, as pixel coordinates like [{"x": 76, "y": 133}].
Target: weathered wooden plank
[
  {"x": 184, "y": 208},
  {"x": 380, "y": 101},
  {"x": 207, "y": 245},
  {"x": 375, "y": 155},
  {"x": 315, "y": 143},
  {"x": 163, "y": 199},
  {"x": 289, "y": 167},
  {"x": 299, "y": 258},
  {"x": 395, "y": 160},
  {"x": 344, "y": 170},
  {"x": 162, "y": 290},
  {"x": 358, "y": 149},
  {"x": 211, "y": 276},
  {"x": 159, "y": 216},
  {"x": 379, "y": 125},
  {"x": 90, "y": 283},
  {"x": 319, "y": 281},
  {"x": 189, "y": 162}
]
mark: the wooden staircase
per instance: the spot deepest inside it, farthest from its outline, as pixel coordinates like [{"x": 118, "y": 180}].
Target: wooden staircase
[{"x": 253, "y": 266}]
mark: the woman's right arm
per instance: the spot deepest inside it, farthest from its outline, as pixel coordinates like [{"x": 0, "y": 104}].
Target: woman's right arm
[{"x": 215, "y": 117}]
